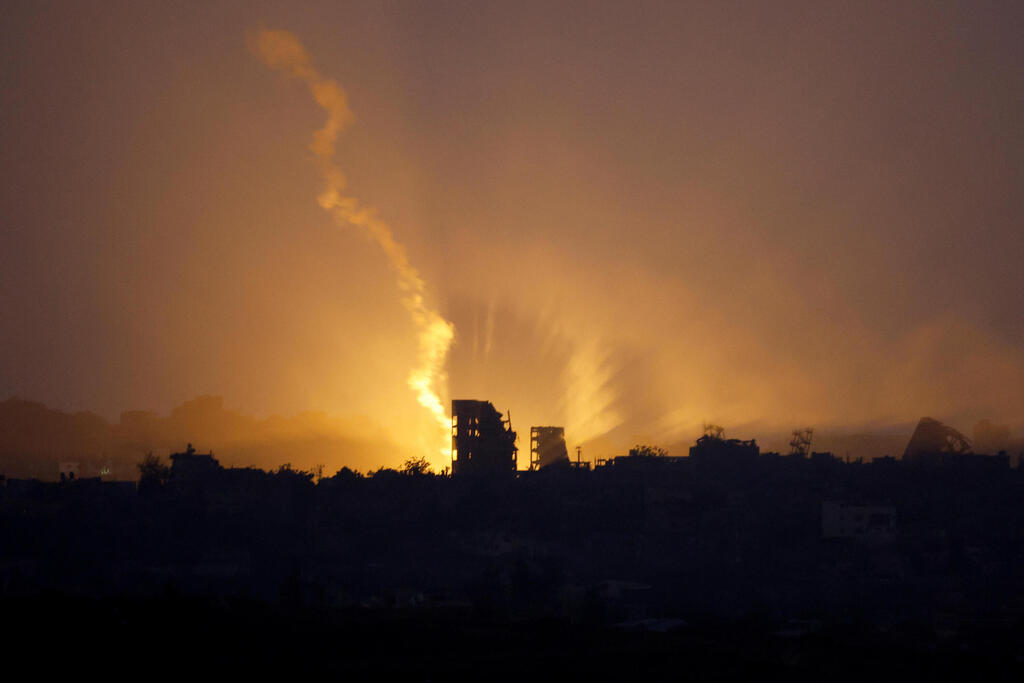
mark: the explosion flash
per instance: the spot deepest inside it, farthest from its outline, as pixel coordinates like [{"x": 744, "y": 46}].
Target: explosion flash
[{"x": 282, "y": 50}]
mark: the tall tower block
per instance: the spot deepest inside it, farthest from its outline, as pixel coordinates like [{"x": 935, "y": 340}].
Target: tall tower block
[{"x": 482, "y": 441}]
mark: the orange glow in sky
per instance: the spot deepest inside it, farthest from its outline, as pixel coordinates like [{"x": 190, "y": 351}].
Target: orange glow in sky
[
  {"x": 628, "y": 220},
  {"x": 282, "y": 50}
]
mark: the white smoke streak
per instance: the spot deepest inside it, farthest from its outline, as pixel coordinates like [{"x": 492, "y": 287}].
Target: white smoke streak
[{"x": 282, "y": 50}]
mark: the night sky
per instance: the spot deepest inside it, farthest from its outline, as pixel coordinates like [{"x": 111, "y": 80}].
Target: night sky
[{"x": 637, "y": 216}]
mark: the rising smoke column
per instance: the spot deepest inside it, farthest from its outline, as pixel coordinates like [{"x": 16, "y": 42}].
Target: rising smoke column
[{"x": 282, "y": 50}]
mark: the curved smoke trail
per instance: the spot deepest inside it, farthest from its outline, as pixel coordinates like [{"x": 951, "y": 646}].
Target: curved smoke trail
[{"x": 282, "y": 50}]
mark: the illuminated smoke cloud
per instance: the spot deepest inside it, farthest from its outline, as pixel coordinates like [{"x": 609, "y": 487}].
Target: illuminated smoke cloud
[{"x": 282, "y": 50}]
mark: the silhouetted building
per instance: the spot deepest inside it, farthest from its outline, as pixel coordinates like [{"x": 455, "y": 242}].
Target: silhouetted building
[
  {"x": 712, "y": 449},
  {"x": 193, "y": 466},
  {"x": 547, "y": 447},
  {"x": 482, "y": 442},
  {"x": 932, "y": 441}
]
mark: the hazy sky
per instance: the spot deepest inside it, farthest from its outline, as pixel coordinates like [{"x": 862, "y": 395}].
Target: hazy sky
[{"x": 638, "y": 216}]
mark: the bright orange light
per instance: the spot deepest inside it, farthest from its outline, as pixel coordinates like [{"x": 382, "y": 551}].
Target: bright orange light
[{"x": 282, "y": 50}]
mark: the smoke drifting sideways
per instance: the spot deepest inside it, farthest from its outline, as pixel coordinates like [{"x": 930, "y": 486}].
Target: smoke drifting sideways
[
  {"x": 621, "y": 355},
  {"x": 282, "y": 51}
]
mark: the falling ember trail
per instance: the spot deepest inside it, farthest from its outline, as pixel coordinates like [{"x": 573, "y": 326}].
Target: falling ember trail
[{"x": 282, "y": 50}]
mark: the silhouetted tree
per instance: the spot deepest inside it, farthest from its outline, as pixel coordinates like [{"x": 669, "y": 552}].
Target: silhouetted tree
[
  {"x": 153, "y": 473},
  {"x": 416, "y": 467},
  {"x": 286, "y": 473},
  {"x": 385, "y": 474},
  {"x": 347, "y": 474},
  {"x": 645, "y": 451}
]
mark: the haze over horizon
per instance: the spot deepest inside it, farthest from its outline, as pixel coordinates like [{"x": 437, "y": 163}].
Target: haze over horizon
[{"x": 639, "y": 217}]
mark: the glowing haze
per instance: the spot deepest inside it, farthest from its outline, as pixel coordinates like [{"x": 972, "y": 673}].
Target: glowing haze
[
  {"x": 282, "y": 50},
  {"x": 639, "y": 216}
]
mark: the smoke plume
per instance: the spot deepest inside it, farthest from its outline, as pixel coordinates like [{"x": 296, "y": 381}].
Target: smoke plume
[{"x": 281, "y": 50}]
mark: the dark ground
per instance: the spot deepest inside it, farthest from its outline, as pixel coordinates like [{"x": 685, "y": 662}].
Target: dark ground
[{"x": 173, "y": 635}]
